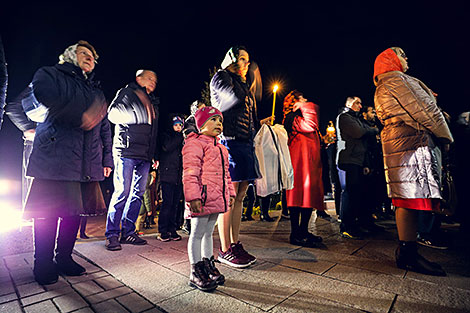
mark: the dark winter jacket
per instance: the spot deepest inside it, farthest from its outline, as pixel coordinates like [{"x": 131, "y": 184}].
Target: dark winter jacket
[
  {"x": 135, "y": 137},
  {"x": 171, "y": 161},
  {"x": 353, "y": 134},
  {"x": 61, "y": 149},
  {"x": 234, "y": 99},
  {"x": 3, "y": 81}
]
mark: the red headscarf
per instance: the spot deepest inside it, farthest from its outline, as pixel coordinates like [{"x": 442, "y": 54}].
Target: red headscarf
[{"x": 385, "y": 62}]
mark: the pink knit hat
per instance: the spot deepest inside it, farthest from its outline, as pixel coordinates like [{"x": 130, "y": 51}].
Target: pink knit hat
[{"x": 203, "y": 114}]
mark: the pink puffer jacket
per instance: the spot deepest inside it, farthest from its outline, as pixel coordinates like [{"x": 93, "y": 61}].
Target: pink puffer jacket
[{"x": 205, "y": 174}]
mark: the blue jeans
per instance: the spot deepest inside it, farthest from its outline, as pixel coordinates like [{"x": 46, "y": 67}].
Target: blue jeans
[{"x": 130, "y": 178}]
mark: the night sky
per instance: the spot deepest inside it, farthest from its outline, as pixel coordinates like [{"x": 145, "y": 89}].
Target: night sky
[{"x": 326, "y": 51}]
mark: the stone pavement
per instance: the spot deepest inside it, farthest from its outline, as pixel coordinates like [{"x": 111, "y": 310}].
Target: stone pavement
[{"x": 340, "y": 276}]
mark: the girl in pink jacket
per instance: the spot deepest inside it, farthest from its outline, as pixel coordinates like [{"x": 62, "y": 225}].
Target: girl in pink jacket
[{"x": 208, "y": 191}]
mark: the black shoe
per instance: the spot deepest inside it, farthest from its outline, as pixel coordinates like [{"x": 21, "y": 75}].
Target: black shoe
[
  {"x": 312, "y": 238},
  {"x": 213, "y": 272},
  {"x": 112, "y": 244},
  {"x": 407, "y": 258},
  {"x": 69, "y": 267},
  {"x": 352, "y": 234},
  {"x": 133, "y": 239},
  {"x": 322, "y": 214},
  {"x": 45, "y": 274},
  {"x": 285, "y": 216},
  {"x": 199, "y": 277},
  {"x": 163, "y": 237},
  {"x": 84, "y": 236},
  {"x": 372, "y": 228},
  {"x": 266, "y": 218},
  {"x": 431, "y": 243},
  {"x": 175, "y": 237}
]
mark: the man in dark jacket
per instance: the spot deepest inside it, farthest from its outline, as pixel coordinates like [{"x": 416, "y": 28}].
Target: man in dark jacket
[
  {"x": 353, "y": 133},
  {"x": 134, "y": 111}
]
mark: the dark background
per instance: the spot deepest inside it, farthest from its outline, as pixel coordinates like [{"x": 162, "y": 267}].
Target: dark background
[{"x": 326, "y": 51}]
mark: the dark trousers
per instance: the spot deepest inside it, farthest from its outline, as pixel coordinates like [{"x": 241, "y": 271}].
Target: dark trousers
[
  {"x": 299, "y": 221},
  {"x": 265, "y": 204},
  {"x": 46, "y": 236},
  {"x": 428, "y": 224},
  {"x": 353, "y": 206},
  {"x": 171, "y": 196}
]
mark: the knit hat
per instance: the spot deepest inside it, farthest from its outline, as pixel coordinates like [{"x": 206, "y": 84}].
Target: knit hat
[
  {"x": 177, "y": 120},
  {"x": 203, "y": 114}
]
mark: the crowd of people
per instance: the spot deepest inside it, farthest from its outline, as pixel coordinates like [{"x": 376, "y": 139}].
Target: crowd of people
[{"x": 204, "y": 164}]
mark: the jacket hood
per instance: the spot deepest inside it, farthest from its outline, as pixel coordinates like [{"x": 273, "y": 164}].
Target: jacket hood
[{"x": 387, "y": 61}]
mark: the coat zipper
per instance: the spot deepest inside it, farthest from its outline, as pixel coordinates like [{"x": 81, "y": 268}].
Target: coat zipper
[{"x": 223, "y": 178}]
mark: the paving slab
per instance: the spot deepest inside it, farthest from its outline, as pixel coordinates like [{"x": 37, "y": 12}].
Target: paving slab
[
  {"x": 302, "y": 302},
  {"x": 70, "y": 302},
  {"x": 42, "y": 307},
  {"x": 11, "y": 307},
  {"x": 405, "y": 304},
  {"x": 196, "y": 302}
]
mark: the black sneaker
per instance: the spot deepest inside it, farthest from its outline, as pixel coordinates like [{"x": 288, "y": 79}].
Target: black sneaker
[
  {"x": 112, "y": 244},
  {"x": 351, "y": 234},
  {"x": 322, "y": 214},
  {"x": 164, "y": 237},
  {"x": 133, "y": 239},
  {"x": 175, "y": 237},
  {"x": 436, "y": 244}
]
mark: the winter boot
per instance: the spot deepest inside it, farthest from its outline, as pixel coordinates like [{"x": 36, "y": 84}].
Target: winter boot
[
  {"x": 45, "y": 230},
  {"x": 265, "y": 204},
  {"x": 199, "y": 277},
  {"x": 407, "y": 258},
  {"x": 68, "y": 229},
  {"x": 214, "y": 273}
]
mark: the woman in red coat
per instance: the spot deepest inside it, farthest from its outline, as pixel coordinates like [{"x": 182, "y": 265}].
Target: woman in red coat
[{"x": 301, "y": 122}]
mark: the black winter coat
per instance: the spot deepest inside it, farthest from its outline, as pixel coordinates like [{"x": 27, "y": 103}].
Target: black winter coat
[
  {"x": 353, "y": 134},
  {"x": 237, "y": 103},
  {"x": 61, "y": 149},
  {"x": 171, "y": 160},
  {"x": 134, "y": 137}
]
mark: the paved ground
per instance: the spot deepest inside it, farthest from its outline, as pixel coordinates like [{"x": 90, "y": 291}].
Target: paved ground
[{"x": 340, "y": 276}]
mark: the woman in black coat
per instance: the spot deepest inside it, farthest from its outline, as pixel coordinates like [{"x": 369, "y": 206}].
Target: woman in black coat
[{"x": 68, "y": 158}]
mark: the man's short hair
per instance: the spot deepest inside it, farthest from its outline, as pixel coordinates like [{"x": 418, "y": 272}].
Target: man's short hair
[
  {"x": 142, "y": 72},
  {"x": 351, "y": 100}
]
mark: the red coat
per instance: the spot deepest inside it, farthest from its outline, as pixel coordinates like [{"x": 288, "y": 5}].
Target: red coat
[{"x": 304, "y": 147}]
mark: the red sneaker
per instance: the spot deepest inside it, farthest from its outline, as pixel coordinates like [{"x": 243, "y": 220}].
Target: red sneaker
[{"x": 232, "y": 259}]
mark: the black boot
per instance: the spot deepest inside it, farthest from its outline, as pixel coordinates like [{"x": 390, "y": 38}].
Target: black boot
[
  {"x": 147, "y": 222},
  {"x": 68, "y": 229},
  {"x": 265, "y": 204},
  {"x": 214, "y": 273},
  {"x": 83, "y": 222},
  {"x": 45, "y": 230},
  {"x": 407, "y": 258},
  {"x": 199, "y": 277}
]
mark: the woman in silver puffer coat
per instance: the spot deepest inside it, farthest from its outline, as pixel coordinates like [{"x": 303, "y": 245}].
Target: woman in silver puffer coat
[{"x": 415, "y": 129}]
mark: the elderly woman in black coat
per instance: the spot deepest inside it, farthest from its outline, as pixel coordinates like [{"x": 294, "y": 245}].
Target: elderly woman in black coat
[{"x": 68, "y": 158}]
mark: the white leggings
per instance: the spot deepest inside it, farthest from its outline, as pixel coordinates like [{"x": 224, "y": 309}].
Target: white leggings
[{"x": 200, "y": 243}]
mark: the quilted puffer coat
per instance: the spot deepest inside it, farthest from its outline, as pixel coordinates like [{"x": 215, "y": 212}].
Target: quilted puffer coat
[
  {"x": 205, "y": 174},
  {"x": 414, "y": 126}
]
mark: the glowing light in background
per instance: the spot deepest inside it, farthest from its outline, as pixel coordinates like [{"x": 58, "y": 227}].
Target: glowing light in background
[{"x": 10, "y": 206}]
